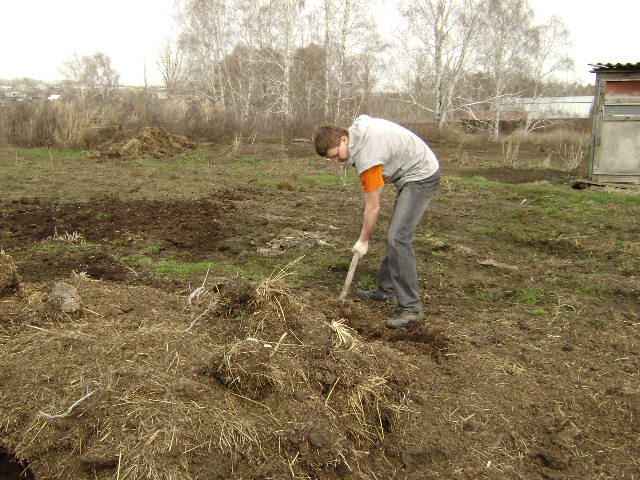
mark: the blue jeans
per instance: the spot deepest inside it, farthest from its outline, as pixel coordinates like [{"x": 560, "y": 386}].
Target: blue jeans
[{"x": 398, "y": 273}]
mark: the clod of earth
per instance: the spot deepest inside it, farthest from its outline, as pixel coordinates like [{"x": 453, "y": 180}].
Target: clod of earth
[
  {"x": 9, "y": 278},
  {"x": 65, "y": 297}
]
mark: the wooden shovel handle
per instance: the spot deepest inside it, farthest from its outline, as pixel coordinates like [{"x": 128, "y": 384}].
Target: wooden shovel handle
[{"x": 352, "y": 270}]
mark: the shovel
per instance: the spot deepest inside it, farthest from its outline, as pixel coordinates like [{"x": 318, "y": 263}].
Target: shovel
[{"x": 347, "y": 282}]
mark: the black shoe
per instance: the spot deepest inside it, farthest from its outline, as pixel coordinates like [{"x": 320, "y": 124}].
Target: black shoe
[
  {"x": 375, "y": 295},
  {"x": 404, "y": 317}
]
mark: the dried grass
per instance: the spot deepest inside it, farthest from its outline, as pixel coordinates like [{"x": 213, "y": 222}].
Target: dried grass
[
  {"x": 344, "y": 339},
  {"x": 510, "y": 150},
  {"x": 72, "y": 238},
  {"x": 555, "y": 137},
  {"x": 572, "y": 155},
  {"x": 366, "y": 402}
]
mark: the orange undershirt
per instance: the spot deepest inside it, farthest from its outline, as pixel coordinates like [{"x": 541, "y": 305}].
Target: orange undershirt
[{"x": 372, "y": 179}]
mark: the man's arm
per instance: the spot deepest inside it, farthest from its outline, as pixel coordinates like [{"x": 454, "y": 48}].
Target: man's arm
[{"x": 371, "y": 211}]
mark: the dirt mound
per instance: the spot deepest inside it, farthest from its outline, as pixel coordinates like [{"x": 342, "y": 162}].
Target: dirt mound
[
  {"x": 153, "y": 142},
  {"x": 235, "y": 380}
]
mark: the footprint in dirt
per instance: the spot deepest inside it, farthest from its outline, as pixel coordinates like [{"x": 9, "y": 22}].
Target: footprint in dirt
[
  {"x": 427, "y": 339},
  {"x": 369, "y": 320}
]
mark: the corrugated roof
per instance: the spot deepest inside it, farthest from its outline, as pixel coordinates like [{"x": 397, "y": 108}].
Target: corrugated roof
[{"x": 617, "y": 67}]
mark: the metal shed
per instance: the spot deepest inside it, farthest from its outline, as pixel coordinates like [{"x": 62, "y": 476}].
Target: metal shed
[{"x": 615, "y": 152}]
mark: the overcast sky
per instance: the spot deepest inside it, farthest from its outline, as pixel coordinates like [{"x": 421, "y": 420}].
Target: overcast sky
[{"x": 38, "y": 36}]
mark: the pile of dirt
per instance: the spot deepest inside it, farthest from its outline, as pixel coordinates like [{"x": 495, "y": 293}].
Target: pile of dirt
[
  {"x": 153, "y": 142},
  {"x": 235, "y": 380}
]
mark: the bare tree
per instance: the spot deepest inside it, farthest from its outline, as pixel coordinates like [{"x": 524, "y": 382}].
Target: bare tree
[
  {"x": 508, "y": 41},
  {"x": 328, "y": 9},
  {"x": 207, "y": 37},
  {"x": 308, "y": 86},
  {"x": 170, "y": 63},
  {"x": 441, "y": 35},
  {"x": 351, "y": 41},
  {"x": 278, "y": 40},
  {"x": 92, "y": 75},
  {"x": 548, "y": 57}
]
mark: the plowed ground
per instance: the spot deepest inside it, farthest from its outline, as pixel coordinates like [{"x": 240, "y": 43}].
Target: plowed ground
[{"x": 525, "y": 367}]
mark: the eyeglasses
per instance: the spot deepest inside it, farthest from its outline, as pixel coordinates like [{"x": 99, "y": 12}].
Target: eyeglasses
[{"x": 336, "y": 156}]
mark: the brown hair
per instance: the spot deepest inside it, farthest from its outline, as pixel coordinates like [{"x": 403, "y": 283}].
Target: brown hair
[{"x": 328, "y": 136}]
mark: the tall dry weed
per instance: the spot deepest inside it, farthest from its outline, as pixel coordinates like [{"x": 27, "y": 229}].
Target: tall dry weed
[
  {"x": 73, "y": 122},
  {"x": 572, "y": 155},
  {"x": 510, "y": 150},
  {"x": 70, "y": 124},
  {"x": 554, "y": 137}
]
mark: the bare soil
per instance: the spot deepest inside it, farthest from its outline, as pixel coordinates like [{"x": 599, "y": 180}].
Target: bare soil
[{"x": 211, "y": 343}]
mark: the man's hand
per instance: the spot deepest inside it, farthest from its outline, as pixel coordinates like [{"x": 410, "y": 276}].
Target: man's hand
[{"x": 361, "y": 248}]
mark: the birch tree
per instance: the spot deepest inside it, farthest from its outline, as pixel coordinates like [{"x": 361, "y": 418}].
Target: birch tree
[
  {"x": 441, "y": 35},
  {"x": 170, "y": 64},
  {"x": 93, "y": 75},
  {"x": 549, "y": 57},
  {"x": 507, "y": 44},
  {"x": 351, "y": 40},
  {"x": 207, "y": 38}
]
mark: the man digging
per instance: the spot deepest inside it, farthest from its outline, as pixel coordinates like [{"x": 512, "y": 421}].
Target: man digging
[{"x": 383, "y": 152}]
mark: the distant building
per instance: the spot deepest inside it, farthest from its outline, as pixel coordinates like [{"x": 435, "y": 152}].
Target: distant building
[
  {"x": 544, "y": 108},
  {"x": 483, "y": 120}
]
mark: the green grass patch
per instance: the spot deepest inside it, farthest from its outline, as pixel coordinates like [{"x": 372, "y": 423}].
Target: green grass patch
[
  {"x": 84, "y": 246},
  {"x": 184, "y": 268},
  {"x": 483, "y": 295},
  {"x": 629, "y": 267},
  {"x": 44, "y": 153},
  {"x": 319, "y": 179},
  {"x": 244, "y": 161},
  {"x": 529, "y": 296},
  {"x": 242, "y": 272},
  {"x": 556, "y": 193},
  {"x": 551, "y": 211},
  {"x": 480, "y": 226},
  {"x": 366, "y": 282},
  {"x": 252, "y": 159},
  {"x": 337, "y": 265},
  {"x": 135, "y": 259},
  {"x": 46, "y": 247},
  {"x": 247, "y": 164},
  {"x": 599, "y": 290},
  {"x": 193, "y": 158}
]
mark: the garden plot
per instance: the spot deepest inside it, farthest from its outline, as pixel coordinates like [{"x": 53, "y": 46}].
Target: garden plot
[{"x": 193, "y": 354}]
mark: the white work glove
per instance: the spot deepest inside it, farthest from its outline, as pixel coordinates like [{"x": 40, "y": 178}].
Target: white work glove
[{"x": 361, "y": 247}]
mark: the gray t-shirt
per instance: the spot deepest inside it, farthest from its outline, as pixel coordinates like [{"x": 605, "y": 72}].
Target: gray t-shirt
[{"x": 403, "y": 155}]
